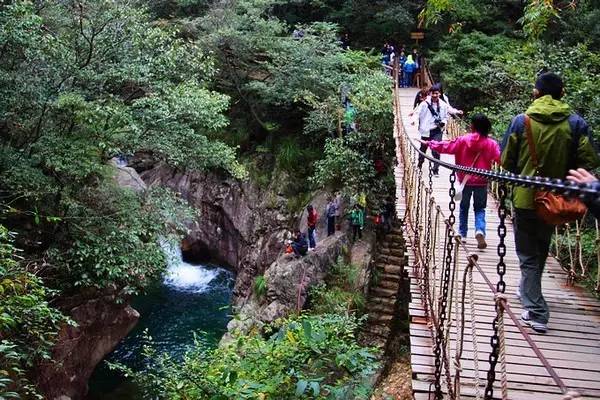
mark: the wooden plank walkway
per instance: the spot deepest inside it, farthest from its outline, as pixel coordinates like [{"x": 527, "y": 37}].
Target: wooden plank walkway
[{"x": 571, "y": 345}]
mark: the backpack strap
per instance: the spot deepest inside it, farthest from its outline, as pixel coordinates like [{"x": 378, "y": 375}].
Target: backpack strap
[
  {"x": 433, "y": 112},
  {"x": 531, "y": 144},
  {"x": 575, "y": 139}
]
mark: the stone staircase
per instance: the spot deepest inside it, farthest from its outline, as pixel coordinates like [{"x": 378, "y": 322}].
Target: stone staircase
[{"x": 387, "y": 287}]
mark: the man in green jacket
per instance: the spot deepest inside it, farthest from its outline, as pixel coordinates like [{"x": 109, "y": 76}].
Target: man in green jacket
[
  {"x": 562, "y": 141},
  {"x": 357, "y": 221}
]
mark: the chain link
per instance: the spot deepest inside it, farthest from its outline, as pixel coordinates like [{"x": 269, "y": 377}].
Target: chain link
[
  {"x": 452, "y": 192},
  {"x": 500, "y": 288},
  {"x": 428, "y": 237}
]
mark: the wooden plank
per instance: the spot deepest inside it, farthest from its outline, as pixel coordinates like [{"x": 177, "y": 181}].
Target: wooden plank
[{"x": 515, "y": 339}]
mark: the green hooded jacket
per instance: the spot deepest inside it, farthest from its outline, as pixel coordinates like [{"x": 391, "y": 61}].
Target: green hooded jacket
[
  {"x": 357, "y": 217},
  {"x": 562, "y": 141}
]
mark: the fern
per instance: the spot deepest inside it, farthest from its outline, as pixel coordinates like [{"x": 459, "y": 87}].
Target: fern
[{"x": 260, "y": 286}]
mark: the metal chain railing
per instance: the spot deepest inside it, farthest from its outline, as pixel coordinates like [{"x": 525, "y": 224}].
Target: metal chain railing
[
  {"x": 576, "y": 264},
  {"x": 425, "y": 222}
]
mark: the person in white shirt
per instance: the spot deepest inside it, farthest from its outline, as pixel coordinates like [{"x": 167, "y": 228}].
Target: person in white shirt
[{"x": 433, "y": 116}]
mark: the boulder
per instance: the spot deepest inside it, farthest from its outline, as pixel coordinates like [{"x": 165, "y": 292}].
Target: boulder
[
  {"x": 289, "y": 278},
  {"x": 127, "y": 177}
]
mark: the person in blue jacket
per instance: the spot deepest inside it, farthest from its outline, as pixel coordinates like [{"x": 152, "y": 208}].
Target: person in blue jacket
[
  {"x": 401, "y": 61},
  {"x": 409, "y": 68},
  {"x": 300, "y": 244}
]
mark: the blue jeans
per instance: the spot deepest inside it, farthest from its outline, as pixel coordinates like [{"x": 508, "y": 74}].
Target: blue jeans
[
  {"x": 330, "y": 225},
  {"x": 434, "y": 134},
  {"x": 532, "y": 242},
  {"x": 408, "y": 79},
  {"x": 311, "y": 238},
  {"x": 479, "y": 194}
]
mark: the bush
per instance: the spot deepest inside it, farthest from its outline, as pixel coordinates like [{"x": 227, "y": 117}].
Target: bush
[
  {"x": 28, "y": 325},
  {"x": 343, "y": 167},
  {"x": 260, "y": 286},
  {"x": 313, "y": 357},
  {"x": 290, "y": 154},
  {"x": 341, "y": 292}
]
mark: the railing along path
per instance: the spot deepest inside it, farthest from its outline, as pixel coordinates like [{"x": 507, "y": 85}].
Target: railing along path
[{"x": 466, "y": 337}]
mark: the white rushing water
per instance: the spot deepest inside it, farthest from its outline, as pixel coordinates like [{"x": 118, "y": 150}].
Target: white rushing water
[{"x": 184, "y": 276}]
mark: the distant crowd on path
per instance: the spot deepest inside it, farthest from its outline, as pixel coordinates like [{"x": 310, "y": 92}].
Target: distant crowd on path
[
  {"x": 301, "y": 243},
  {"x": 410, "y": 64},
  {"x": 549, "y": 140}
]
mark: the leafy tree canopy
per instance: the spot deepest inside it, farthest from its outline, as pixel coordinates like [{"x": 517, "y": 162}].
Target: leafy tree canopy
[{"x": 84, "y": 82}]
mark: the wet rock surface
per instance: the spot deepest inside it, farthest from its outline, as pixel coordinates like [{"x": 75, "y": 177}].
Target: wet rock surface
[{"x": 238, "y": 224}]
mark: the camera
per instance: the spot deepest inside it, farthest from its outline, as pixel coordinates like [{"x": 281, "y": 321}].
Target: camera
[{"x": 438, "y": 122}]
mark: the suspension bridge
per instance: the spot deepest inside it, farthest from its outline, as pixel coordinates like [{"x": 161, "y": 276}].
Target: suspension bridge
[{"x": 466, "y": 338}]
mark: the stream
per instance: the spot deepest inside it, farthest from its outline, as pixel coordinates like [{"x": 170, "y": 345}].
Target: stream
[{"x": 191, "y": 298}]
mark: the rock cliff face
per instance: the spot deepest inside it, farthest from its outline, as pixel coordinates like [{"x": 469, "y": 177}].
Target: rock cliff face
[
  {"x": 100, "y": 325},
  {"x": 238, "y": 223}
]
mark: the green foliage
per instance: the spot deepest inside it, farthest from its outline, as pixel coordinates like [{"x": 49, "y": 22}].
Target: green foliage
[
  {"x": 589, "y": 254},
  {"x": 472, "y": 85},
  {"x": 260, "y": 286},
  {"x": 102, "y": 254},
  {"x": 576, "y": 25},
  {"x": 347, "y": 162},
  {"x": 313, "y": 357},
  {"x": 537, "y": 17},
  {"x": 453, "y": 16},
  {"x": 368, "y": 23},
  {"x": 340, "y": 293},
  {"x": 28, "y": 325},
  {"x": 502, "y": 72},
  {"x": 343, "y": 167},
  {"x": 290, "y": 153},
  {"x": 86, "y": 82}
]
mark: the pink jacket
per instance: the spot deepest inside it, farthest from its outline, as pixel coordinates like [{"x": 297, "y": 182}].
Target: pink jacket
[{"x": 465, "y": 149}]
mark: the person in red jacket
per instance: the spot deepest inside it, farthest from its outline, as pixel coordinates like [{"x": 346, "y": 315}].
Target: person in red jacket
[
  {"x": 476, "y": 150},
  {"x": 311, "y": 221}
]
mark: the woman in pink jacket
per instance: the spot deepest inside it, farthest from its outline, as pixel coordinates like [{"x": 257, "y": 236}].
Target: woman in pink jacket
[{"x": 477, "y": 150}]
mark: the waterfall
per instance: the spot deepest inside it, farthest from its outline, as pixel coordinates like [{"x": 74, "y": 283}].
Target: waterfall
[{"x": 184, "y": 276}]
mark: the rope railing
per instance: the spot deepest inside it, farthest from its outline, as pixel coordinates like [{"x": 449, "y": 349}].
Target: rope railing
[{"x": 449, "y": 301}]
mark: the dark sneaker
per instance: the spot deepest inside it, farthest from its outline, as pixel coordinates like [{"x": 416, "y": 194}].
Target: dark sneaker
[
  {"x": 480, "y": 237},
  {"x": 536, "y": 326}
]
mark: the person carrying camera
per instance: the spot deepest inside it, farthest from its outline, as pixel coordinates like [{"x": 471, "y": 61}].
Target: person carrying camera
[{"x": 432, "y": 115}]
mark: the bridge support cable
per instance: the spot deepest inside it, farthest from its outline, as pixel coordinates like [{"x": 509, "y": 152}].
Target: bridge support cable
[{"x": 443, "y": 296}]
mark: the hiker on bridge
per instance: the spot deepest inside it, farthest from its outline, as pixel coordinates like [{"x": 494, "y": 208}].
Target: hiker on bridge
[
  {"x": 546, "y": 140},
  {"x": 476, "y": 150},
  {"x": 401, "y": 62},
  {"x": 408, "y": 69},
  {"x": 421, "y": 95},
  {"x": 433, "y": 116}
]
